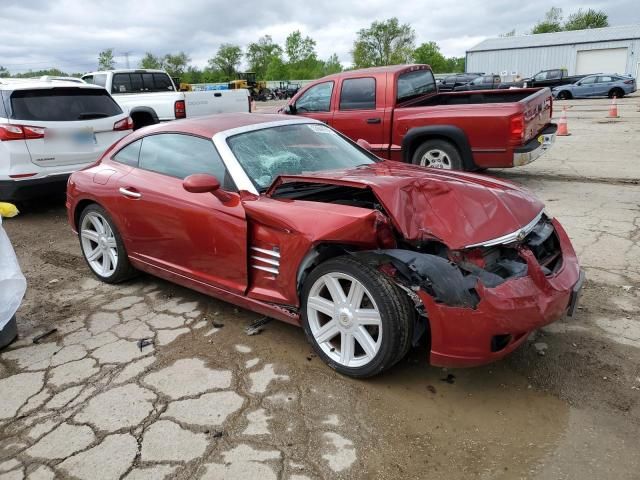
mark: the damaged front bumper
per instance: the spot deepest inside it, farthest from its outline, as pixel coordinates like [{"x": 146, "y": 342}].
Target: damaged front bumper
[{"x": 506, "y": 314}]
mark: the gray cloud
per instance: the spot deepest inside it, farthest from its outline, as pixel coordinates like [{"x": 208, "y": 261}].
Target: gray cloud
[{"x": 70, "y": 33}]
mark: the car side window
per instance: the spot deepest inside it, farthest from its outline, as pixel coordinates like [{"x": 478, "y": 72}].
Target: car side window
[
  {"x": 316, "y": 99},
  {"x": 605, "y": 79},
  {"x": 588, "y": 80},
  {"x": 179, "y": 155},
  {"x": 554, "y": 74},
  {"x": 541, "y": 76},
  {"x": 121, "y": 83},
  {"x": 129, "y": 155},
  {"x": 358, "y": 94}
]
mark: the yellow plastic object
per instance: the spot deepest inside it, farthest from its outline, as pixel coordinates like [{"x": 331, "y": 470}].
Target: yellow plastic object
[{"x": 8, "y": 210}]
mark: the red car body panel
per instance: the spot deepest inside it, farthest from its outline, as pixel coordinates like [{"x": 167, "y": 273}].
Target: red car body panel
[
  {"x": 486, "y": 123},
  {"x": 198, "y": 241}
]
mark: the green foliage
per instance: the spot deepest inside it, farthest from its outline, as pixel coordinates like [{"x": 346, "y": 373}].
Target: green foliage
[
  {"x": 331, "y": 66},
  {"x": 299, "y": 49},
  {"x": 4, "y": 72},
  {"x": 552, "y": 22},
  {"x": 106, "y": 60},
  {"x": 429, "y": 53},
  {"x": 383, "y": 43},
  {"x": 227, "y": 60},
  {"x": 151, "y": 61},
  {"x": 52, "y": 72},
  {"x": 175, "y": 64},
  {"x": 589, "y": 19},
  {"x": 261, "y": 54}
]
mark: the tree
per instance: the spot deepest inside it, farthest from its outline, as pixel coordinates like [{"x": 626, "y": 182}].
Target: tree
[
  {"x": 429, "y": 53},
  {"x": 151, "y": 61},
  {"x": 261, "y": 53},
  {"x": 106, "y": 60},
  {"x": 552, "y": 22},
  {"x": 383, "y": 43},
  {"x": 332, "y": 65},
  {"x": 589, "y": 19},
  {"x": 455, "y": 65},
  {"x": 299, "y": 48},
  {"x": 175, "y": 64},
  {"x": 4, "y": 72},
  {"x": 227, "y": 60}
]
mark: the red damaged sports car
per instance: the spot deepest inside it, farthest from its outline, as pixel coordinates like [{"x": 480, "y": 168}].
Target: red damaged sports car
[{"x": 288, "y": 218}]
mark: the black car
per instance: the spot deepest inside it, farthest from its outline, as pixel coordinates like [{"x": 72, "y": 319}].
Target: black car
[
  {"x": 485, "y": 82},
  {"x": 450, "y": 82}
]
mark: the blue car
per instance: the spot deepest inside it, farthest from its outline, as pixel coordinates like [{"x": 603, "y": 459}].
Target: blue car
[{"x": 600, "y": 85}]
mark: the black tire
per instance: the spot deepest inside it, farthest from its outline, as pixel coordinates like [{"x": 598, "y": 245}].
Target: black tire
[
  {"x": 446, "y": 151},
  {"x": 564, "y": 95},
  {"x": 616, "y": 92},
  {"x": 397, "y": 315},
  {"x": 124, "y": 270}
]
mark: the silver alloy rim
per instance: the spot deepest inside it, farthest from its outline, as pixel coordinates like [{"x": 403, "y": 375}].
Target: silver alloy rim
[
  {"x": 346, "y": 326},
  {"x": 99, "y": 244},
  {"x": 436, "y": 158}
]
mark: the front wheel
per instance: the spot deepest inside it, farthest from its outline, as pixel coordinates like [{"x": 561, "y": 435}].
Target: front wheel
[
  {"x": 102, "y": 246},
  {"x": 357, "y": 320},
  {"x": 437, "y": 154},
  {"x": 564, "y": 95}
]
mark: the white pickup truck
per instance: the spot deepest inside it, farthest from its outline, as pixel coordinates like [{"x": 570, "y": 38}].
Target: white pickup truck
[{"x": 150, "y": 96}]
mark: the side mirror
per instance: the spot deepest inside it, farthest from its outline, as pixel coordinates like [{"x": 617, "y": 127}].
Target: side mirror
[
  {"x": 578, "y": 83},
  {"x": 364, "y": 144},
  {"x": 290, "y": 109},
  {"x": 205, "y": 183}
]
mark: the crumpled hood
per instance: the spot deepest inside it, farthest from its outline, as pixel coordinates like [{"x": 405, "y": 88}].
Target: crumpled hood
[{"x": 457, "y": 208}]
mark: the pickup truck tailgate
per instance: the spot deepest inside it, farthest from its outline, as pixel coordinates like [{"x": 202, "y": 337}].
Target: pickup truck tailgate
[
  {"x": 216, "y": 101},
  {"x": 537, "y": 113}
]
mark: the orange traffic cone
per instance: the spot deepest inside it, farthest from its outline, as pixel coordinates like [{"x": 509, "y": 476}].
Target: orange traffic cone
[
  {"x": 613, "y": 108},
  {"x": 563, "y": 129}
]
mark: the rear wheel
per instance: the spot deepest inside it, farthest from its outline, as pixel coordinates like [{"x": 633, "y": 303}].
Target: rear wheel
[
  {"x": 358, "y": 321},
  {"x": 437, "y": 154},
  {"x": 616, "y": 92},
  {"x": 102, "y": 246},
  {"x": 564, "y": 95}
]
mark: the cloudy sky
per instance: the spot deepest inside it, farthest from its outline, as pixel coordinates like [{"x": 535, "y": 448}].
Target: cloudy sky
[{"x": 68, "y": 34}]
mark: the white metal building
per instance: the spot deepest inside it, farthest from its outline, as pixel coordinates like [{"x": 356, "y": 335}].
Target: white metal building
[{"x": 608, "y": 50}]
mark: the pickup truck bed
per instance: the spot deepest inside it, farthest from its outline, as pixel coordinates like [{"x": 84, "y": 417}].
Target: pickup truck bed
[{"x": 398, "y": 114}]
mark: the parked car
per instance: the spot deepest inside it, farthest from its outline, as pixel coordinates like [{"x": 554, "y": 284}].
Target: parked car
[
  {"x": 601, "y": 85},
  {"x": 50, "y": 128},
  {"x": 546, "y": 78},
  {"x": 12, "y": 282},
  {"x": 485, "y": 82},
  {"x": 288, "y": 218},
  {"x": 400, "y": 113},
  {"x": 450, "y": 82},
  {"x": 150, "y": 96}
]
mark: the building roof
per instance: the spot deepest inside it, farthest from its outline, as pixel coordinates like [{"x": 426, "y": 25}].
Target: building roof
[{"x": 607, "y": 34}]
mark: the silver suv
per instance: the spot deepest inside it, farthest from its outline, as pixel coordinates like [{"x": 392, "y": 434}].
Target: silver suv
[{"x": 50, "y": 128}]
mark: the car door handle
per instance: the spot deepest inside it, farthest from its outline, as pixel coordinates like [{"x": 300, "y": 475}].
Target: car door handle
[
  {"x": 374, "y": 120},
  {"x": 130, "y": 193}
]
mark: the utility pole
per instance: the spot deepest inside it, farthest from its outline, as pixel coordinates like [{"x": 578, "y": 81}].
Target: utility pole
[{"x": 126, "y": 58}]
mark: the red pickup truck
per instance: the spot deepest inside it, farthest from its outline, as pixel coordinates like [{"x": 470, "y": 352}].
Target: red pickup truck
[{"x": 397, "y": 112}]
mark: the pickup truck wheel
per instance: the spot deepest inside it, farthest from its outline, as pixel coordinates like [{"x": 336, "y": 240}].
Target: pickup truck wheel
[
  {"x": 357, "y": 320},
  {"x": 616, "y": 92},
  {"x": 564, "y": 95},
  {"x": 437, "y": 154}
]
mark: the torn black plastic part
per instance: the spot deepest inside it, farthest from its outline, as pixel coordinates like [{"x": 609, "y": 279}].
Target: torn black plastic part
[
  {"x": 541, "y": 232},
  {"x": 438, "y": 276}
]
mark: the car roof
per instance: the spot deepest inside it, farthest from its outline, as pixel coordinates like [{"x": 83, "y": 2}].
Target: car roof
[
  {"x": 127, "y": 70},
  {"x": 209, "y": 125},
  {"x": 41, "y": 83}
]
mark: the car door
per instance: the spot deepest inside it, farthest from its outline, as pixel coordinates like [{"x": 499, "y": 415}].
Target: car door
[
  {"x": 316, "y": 102},
  {"x": 192, "y": 235},
  {"x": 602, "y": 85},
  {"x": 359, "y": 114},
  {"x": 585, "y": 87}
]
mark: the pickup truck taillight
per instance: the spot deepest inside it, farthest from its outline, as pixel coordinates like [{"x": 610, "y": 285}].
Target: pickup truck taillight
[
  {"x": 179, "y": 109},
  {"x": 19, "y": 132},
  {"x": 517, "y": 129},
  {"x": 124, "y": 124}
]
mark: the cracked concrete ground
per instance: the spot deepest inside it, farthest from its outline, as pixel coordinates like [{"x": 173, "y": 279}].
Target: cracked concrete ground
[{"x": 209, "y": 402}]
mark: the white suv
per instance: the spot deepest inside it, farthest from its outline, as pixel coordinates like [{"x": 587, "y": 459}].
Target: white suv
[{"x": 50, "y": 128}]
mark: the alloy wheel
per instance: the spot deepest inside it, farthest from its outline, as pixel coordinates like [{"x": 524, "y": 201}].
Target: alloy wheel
[
  {"x": 344, "y": 319},
  {"x": 99, "y": 244},
  {"x": 436, "y": 158}
]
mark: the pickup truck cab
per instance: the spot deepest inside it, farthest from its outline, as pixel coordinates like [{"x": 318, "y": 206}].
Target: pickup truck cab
[
  {"x": 550, "y": 78},
  {"x": 398, "y": 113},
  {"x": 150, "y": 96}
]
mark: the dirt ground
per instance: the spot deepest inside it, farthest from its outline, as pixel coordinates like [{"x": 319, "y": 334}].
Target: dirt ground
[{"x": 207, "y": 401}]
